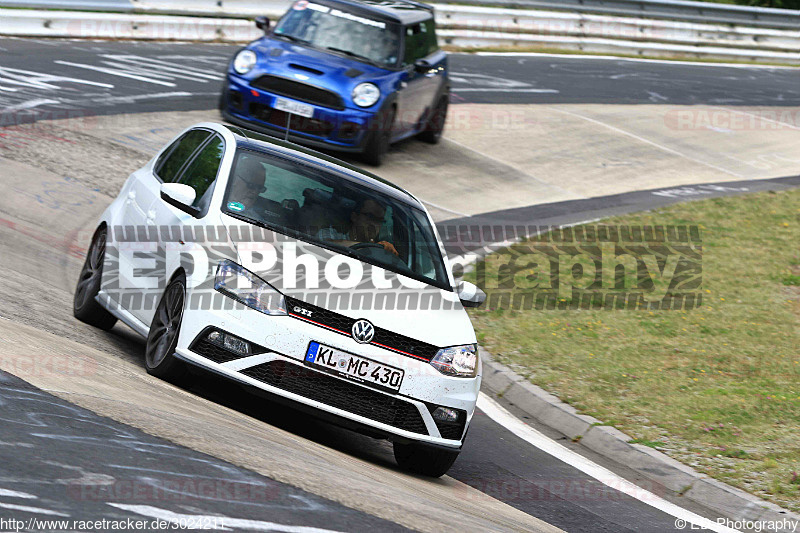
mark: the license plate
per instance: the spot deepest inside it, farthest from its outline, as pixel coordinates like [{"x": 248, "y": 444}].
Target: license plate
[
  {"x": 296, "y": 108},
  {"x": 354, "y": 367}
]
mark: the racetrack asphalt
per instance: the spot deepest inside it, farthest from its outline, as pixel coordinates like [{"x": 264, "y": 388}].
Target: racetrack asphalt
[{"x": 139, "y": 77}]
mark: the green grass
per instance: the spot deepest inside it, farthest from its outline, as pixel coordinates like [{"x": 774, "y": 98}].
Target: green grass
[{"x": 717, "y": 387}]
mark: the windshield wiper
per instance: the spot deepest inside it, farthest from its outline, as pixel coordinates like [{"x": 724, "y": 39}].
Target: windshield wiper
[
  {"x": 352, "y": 54},
  {"x": 292, "y": 38}
]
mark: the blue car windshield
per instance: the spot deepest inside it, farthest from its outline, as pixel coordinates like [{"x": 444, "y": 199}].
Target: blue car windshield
[
  {"x": 343, "y": 32},
  {"x": 323, "y": 208}
]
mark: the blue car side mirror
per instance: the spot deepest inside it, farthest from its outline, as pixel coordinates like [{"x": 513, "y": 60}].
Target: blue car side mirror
[
  {"x": 262, "y": 23},
  {"x": 422, "y": 65}
]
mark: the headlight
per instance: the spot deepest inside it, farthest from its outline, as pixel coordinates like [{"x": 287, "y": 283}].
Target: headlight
[
  {"x": 459, "y": 361},
  {"x": 244, "y": 61},
  {"x": 366, "y": 94},
  {"x": 240, "y": 284}
]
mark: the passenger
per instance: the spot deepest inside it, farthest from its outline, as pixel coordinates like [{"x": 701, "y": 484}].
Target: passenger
[{"x": 366, "y": 221}]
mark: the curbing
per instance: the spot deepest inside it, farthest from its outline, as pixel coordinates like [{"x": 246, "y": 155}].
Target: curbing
[{"x": 501, "y": 382}]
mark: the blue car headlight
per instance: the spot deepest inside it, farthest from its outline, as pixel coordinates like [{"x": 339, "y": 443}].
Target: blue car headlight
[
  {"x": 242, "y": 285},
  {"x": 457, "y": 361},
  {"x": 366, "y": 94},
  {"x": 244, "y": 61}
]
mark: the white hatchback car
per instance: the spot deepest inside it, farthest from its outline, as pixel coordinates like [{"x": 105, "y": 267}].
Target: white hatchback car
[{"x": 298, "y": 275}]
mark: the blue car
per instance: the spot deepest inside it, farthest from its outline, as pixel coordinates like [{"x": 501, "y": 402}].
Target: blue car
[{"x": 348, "y": 75}]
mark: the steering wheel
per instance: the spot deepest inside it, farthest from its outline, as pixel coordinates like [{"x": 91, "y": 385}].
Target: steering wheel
[
  {"x": 386, "y": 255},
  {"x": 360, "y": 245}
]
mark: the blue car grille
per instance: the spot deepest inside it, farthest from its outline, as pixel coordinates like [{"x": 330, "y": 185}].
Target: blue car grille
[
  {"x": 299, "y": 91},
  {"x": 312, "y": 126}
]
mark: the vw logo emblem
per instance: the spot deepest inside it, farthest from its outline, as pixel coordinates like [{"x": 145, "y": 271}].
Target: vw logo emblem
[{"x": 363, "y": 331}]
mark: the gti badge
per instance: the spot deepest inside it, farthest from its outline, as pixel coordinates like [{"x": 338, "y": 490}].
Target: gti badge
[
  {"x": 363, "y": 331},
  {"x": 301, "y": 311}
]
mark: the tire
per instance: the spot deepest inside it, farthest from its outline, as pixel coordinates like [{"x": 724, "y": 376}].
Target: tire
[
  {"x": 425, "y": 460},
  {"x": 435, "y": 126},
  {"x": 378, "y": 144},
  {"x": 84, "y": 307},
  {"x": 159, "y": 358}
]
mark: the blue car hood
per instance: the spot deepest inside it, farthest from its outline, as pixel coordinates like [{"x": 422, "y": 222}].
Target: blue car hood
[{"x": 333, "y": 67}]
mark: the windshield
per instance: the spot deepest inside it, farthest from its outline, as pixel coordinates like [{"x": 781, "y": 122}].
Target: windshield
[
  {"x": 322, "y": 208},
  {"x": 342, "y": 32}
]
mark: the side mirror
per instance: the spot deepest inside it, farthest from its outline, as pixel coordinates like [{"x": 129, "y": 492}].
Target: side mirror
[
  {"x": 179, "y": 196},
  {"x": 262, "y": 23},
  {"x": 422, "y": 65},
  {"x": 470, "y": 294}
]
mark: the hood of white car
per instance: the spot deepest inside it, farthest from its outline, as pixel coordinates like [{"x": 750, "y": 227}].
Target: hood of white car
[{"x": 307, "y": 273}]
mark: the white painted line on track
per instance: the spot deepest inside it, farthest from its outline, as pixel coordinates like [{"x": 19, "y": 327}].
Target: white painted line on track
[
  {"x": 497, "y": 413},
  {"x": 29, "y": 104},
  {"x": 115, "y": 72},
  {"x": 633, "y": 60},
  {"x": 651, "y": 143},
  {"x": 13, "y": 493},
  {"x": 133, "y": 98},
  {"x": 214, "y": 521},
  {"x": 441, "y": 208},
  {"x": 501, "y": 90},
  {"x": 26, "y": 509}
]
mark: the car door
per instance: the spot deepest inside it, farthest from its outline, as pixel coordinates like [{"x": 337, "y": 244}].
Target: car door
[
  {"x": 139, "y": 263},
  {"x": 200, "y": 172},
  {"x": 434, "y": 76},
  {"x": 418, "y": 88}
]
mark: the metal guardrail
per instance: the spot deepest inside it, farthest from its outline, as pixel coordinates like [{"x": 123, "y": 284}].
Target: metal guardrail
[
  {"x": 460, "y": 26},
  {"x": 676, "y": 10},
  {"x": 544, "y": 23}
]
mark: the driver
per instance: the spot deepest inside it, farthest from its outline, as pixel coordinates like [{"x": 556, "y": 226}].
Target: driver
[
  {"x": 365, "y": 225},
  {"x": 247, "y": 186}
]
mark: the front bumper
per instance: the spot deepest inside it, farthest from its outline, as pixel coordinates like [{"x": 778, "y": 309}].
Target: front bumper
[
  {"x": 345, "y": 130},
  {"x": 280, "y": 372}
]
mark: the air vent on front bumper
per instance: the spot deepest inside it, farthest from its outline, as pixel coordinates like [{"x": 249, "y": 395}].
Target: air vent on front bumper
[
  {"x": 344, "y": 325},
  {"x": 340, "y": 394},
  {"x": 299, "y": 91}
]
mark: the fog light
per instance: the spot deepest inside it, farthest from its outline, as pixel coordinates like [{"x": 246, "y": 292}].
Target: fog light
[
  {"x": 229, "y": 342},
  {"x": 445, "y": 414},
  {"x": 237, "y": 345}
]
